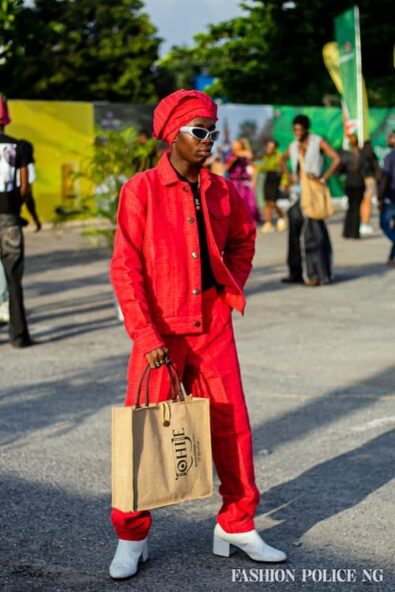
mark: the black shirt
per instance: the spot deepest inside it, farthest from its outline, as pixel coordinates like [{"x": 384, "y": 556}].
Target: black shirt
[
  {"x": 351, "y": 167},
  {"x": 207, "y": 275},
  {"x": 12, "y": 157}
]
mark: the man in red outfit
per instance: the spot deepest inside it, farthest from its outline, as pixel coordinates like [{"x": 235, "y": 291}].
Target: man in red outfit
[{"x": 183, "y": 252}]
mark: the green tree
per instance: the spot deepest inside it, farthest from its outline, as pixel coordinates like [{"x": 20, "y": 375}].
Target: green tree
[
  {"x": 273, "y": 54},
  {"x": 177, "y": 69},
  {"x": 82, "y": 50},
  {"x": 8, "y": 12}
]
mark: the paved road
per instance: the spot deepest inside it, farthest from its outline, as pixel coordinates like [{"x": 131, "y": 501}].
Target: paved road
[{"x": 319, "y": 373}]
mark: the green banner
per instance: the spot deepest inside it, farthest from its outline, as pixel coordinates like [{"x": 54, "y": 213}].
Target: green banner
[{"x": 349, "y": 46}]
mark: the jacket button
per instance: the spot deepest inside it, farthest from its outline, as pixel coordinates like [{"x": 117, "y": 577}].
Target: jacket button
[
  {"x": 196, "y": 291},
  {"x": 195, "y": 255},
  {"x": 191, "y": 220},
  {"x": 197, "y": 324},
  {"x": 185, "y": 188}
]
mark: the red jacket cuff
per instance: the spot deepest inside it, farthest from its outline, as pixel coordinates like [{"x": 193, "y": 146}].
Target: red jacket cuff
[{"x": 147, "y": 340}]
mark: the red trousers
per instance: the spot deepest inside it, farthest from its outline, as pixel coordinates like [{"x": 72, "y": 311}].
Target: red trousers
[{"x": 209, "y": 367}]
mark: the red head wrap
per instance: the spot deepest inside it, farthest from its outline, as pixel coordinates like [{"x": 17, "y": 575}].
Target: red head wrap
[
  {"x": 180, "y": 108},
  {"x": 4, "y": 115}
]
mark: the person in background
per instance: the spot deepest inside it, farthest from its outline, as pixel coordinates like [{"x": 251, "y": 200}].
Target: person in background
[
  {"x": 183, "y": 251},
  {"x": 27, "y": 149},
  {"x": 215, "y": 163},
  {"x": 271, "y": 167},
  {"x": 391, "y": 139},
  {"x": 386, "y": 198},
  {"x": 317, "y": 245},
  {"x": 30, "y": 203},
  {"x": 354, "y": 186},
  {"x": 371, "y": 175},
  {"x": 13, "y": 159},
  {"x": 241, "y": 171}
]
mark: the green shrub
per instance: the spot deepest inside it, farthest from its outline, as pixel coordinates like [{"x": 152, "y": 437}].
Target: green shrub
[{"x": 117, "y": 156}]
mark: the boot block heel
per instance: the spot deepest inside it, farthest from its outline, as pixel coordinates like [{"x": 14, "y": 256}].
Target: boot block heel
[
  {"x": 221, "y": 548},
  {"x": 144, "y": 554},
  {"x": 249, "y": 542}
]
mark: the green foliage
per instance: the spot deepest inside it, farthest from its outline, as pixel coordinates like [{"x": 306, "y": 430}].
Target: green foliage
[
  {"x": 176, "y": 70},
  {"x": 117, "y": 156},
  {"x": 273, "y": 54},
  {"x": 8, "y": 12},
  {"x": 81, "y": 50}
]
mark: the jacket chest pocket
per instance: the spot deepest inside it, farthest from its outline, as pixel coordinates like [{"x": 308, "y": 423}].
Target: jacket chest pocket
[{"x": 220, "y": 220}]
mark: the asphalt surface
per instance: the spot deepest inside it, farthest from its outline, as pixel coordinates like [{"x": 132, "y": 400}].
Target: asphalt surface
[{"x": 319, "y": 373}]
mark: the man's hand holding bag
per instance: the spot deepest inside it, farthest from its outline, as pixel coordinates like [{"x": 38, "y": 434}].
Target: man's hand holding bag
[{"x": 161, "y": 453}]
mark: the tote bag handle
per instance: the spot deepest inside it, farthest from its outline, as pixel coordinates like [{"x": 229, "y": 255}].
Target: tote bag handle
[{"x": 176, "y": 387}]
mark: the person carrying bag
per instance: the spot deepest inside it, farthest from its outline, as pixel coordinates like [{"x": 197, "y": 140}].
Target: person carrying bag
[
  {"x": 182, "y": 254},
  {"x": 309, "y": 257}
]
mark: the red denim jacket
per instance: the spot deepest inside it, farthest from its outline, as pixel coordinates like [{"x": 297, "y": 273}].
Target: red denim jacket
[{"x": 155, "y": 269}]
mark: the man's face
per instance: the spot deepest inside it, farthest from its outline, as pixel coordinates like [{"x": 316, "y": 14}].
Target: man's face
[
  {"x": 191, "y": 149},
  {"x": 270, "y": 148},
  {"x": 300, "y": 132}
]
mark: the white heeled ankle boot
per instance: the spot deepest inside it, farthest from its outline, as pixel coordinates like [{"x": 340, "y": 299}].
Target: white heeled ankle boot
[
  {"x": 249, "y": 542},
  {"x": 126, "y": 559}
]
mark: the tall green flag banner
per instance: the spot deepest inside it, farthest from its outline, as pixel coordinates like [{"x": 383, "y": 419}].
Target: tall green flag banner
[
  {"x": 330, "y": 54},
  {"x": 348, "y": 39}
]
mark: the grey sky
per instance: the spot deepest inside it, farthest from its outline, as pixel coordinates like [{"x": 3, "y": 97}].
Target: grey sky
[{"x": 178, "y": 20}]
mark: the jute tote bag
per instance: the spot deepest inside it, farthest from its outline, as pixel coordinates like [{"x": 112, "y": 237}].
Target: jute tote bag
[
  {"x": 315, "y": 199},
  {"x": 161, "y": 453}
]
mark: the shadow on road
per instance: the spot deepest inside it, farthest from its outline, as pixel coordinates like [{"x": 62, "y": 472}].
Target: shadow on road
[
  {"x": 52, "y": 286},
  {"x": 261, "y": 279},
  {"x": 324, "y": 410},
  {"x": 69, "y": 401},
  {"x": 331, "y": 487},
  {"x": 75, "y": 310},
  {"x": 57, "y": 540},
  {"x": 62, "y": 332},
  {"x": 56, "y": 259}
]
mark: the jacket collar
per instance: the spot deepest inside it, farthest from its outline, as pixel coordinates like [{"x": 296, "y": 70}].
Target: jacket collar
[{"x": 168, "y": 175}]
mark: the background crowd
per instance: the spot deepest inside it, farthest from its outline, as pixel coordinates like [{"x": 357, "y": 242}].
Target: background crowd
[
  {"x": 283, "y": 179},
  {"x": 366, "y": 185}
]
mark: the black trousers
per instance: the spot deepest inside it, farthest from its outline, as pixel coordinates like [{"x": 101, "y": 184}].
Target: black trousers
[
  {"x": 317, "y": 246},
  {"x": 12, "y": 258},
  {"x": 295, "y": 225},
  {"x": 353, "y": 217}
]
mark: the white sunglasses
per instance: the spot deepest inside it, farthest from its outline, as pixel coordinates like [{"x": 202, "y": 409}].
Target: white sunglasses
[{"x": 200, "y": 133}]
